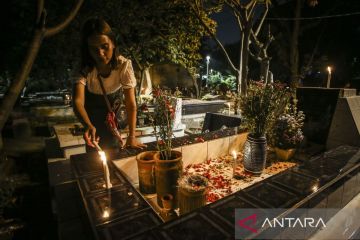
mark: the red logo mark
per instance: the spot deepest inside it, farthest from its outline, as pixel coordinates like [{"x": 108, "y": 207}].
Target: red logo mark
[{"x": 251, "y": 218}]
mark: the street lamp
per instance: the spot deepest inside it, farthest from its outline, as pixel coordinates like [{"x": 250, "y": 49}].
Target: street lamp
[{"x": 207, "y": 70}]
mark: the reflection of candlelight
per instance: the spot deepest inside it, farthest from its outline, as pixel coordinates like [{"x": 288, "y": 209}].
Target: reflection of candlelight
[
  {"x": 106, "y": 169},
  {"x": 329, "y": 77},
  {"x": 315, "y": 188}
]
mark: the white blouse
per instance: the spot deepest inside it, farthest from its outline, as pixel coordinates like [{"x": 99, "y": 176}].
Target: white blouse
[{"x": 121, "y": 77}]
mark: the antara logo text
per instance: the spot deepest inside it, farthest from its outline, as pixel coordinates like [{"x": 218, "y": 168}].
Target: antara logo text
[
  {"x": 249, "y": 222},
  {"x": 289, "y": 222}
]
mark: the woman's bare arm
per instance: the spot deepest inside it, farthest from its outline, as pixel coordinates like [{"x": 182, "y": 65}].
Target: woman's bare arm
[
  {"x": 80, "y": 111},
  {"x": 130, "y": 104}
]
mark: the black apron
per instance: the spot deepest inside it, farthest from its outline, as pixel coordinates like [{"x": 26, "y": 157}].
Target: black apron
[{"x": 97, "y": 110}]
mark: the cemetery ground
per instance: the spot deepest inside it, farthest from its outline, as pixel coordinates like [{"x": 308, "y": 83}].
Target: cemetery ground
[{"x": 28, "y": 214}]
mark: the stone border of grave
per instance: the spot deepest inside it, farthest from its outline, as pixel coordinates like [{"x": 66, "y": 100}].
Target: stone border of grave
[{"x": 337, "y": 181}]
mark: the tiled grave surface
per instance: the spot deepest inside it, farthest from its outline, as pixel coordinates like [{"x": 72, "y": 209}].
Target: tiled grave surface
[
  {"x": 194, "y": 226},
  {"x": 95, "y": 183},
  {"x": 260, "y": 194},
  {"x": 301, "y": 184},
  {"x": 224, "y": 210},
  {"x": 138, "y": 223},
  {"x": 329, "y": 180},
  {"x": 115, "y": 204},
  {"x": 60, "y": 172}
]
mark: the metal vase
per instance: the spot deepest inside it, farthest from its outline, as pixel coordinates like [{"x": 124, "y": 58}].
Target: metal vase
[{"x": 255, "y": 154}]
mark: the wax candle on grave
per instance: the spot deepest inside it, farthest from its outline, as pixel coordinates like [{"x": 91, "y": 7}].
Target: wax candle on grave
[{"x": 108, "y": 184}]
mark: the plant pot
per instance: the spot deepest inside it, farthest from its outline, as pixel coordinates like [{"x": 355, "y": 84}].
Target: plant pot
[
  {"x": 167, "y": 173},
  {"x": 168, "y": 213},
  {"x": 190, "y": 198},
  {"x": 146, "y": 170},
  {"x": 284, "y": 154},
  {"x": 255, "y": 154},
  {"x": 167, "y": 201}
]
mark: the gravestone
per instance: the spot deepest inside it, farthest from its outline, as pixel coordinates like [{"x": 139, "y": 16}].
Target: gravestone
[
  {"x": 178, "y": 113},
  {"x": 215, "y": 121},
  {"x": 345, "y": 126},
  {"x": 196, "y": 106},
  {"x": 318, "y": 105}
]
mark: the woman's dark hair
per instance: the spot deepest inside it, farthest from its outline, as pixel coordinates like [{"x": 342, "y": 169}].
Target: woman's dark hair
[{"x": 95, "y": 26}]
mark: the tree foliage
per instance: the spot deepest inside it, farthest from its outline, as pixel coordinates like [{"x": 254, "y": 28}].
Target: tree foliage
[
  {"x": 148, "y": 32},
  {"x": 250, "y": 16}
]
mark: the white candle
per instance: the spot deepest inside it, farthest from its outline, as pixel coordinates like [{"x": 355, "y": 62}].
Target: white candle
[
  {"x": 329, "y": 77},
  {"x": 98, "y": 148},
  {"x": 234, "y": 160},
  {"x": 106, "y": 213},
  {"x": 106, "y": 170}
]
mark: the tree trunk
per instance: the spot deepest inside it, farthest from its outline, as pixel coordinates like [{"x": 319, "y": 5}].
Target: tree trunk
[
  {"x": 194, "y": 79},
  {"x": 245, "y": 59},
  {"x": 294, "y": 48},
  {"x": 265, "y": 65},
  {"x": 239, "y": 77},
  {"x": 40, "y": 33},
  {"x": 17, "y": 85}
]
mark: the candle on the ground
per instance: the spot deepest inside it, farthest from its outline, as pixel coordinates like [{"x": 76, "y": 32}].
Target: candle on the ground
[{"x": 106, "y": 170}]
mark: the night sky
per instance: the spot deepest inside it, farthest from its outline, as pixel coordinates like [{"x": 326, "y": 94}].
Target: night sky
[
  {"x": 334, "y": 40},
  {"x": 227, "y": 29}
]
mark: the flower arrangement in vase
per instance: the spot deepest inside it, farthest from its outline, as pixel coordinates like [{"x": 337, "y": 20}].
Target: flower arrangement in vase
[
  {"x": 260, "y": 106},
  {"x": 163, "y": 121},
  {"x": 168, "y": 162},
  {"x": 287, "y": 131}
]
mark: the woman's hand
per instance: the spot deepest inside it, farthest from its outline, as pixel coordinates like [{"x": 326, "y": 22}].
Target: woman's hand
[
  {"x": 132, "y": 142},
  {"x": 90, "y": 136}
]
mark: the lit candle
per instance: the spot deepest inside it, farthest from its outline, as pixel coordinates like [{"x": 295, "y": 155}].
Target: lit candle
[
  {"x": 106, "y": 170},
  {"x": 234, "y": 154},
  {"x": 98, "y": 148},
  {"x": 234, "y": 161},
  {"x": 329, "y": 77},
  {"x": 106, "y": 213}
]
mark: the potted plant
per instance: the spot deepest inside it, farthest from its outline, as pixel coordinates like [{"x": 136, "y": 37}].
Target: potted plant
[
  {"x": 259, "y": 107},
  {"x": 287, "y": 133},
  {"x": 168, "y": 162}
]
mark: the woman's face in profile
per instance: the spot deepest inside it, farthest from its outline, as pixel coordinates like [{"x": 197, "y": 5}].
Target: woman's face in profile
[{"x": 101, "y": 49}]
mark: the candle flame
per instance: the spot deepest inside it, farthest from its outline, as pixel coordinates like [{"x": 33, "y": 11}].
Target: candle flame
[
  {"x": 106, "y": 214},
  {"x": 234, "y": 154},
  {"x": 329, "y": 69},
  {"x": 102, "y": 156},
  {"x": 315, "y": 188}
]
